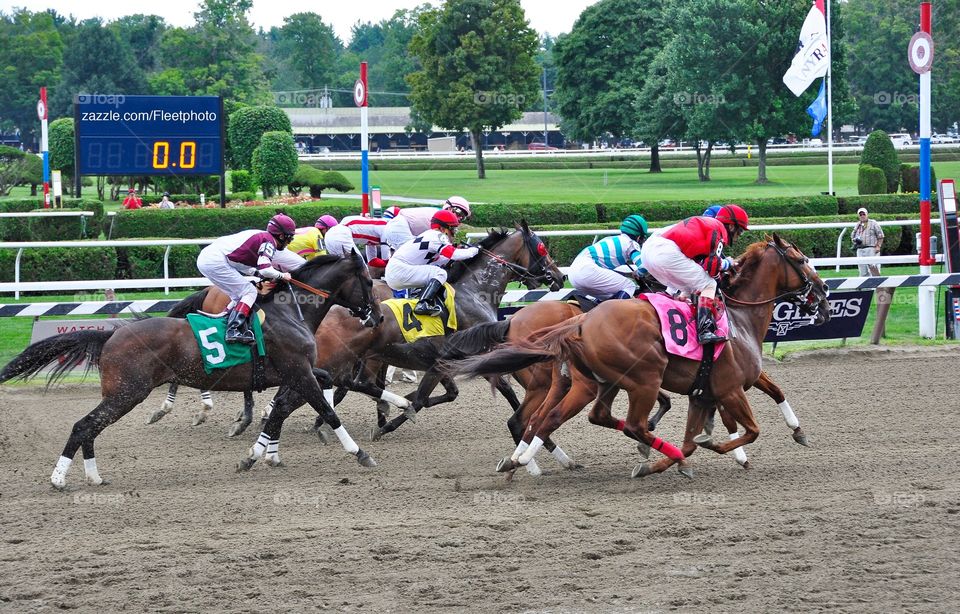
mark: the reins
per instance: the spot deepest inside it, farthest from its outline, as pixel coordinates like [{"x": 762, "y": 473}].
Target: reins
[
  {"x": 806, "y": 289},
  {"x": 310, "y": 288}
]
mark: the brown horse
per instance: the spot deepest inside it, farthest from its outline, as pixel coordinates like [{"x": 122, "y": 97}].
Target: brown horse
[
  {"x": 619, "y": 345},
  {"x": 137, "y": 357}
]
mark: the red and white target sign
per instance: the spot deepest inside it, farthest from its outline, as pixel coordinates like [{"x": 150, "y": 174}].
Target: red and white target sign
[{"x": 360, "y": 93}]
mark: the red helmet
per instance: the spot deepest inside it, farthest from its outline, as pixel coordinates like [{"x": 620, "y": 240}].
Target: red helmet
[
  {"x": 444, "y": 219},
  {"x": 281, "y": 226},
  {"x": 733, "y": 215}
]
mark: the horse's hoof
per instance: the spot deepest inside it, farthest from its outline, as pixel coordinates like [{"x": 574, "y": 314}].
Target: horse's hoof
[
  {"x": 236, "y": 430},
  {"x": 642, "y": 470},
  {"x": 376, "y": 433},
  {"x": 199, "y": 419},
  {"x": 575, "y": 467},
  {"x": 704, "y": 440},
  {"x": 322, "y": 436},
  {"x": 651, "y": 426},
  {"x": 58, "y": 486},
  {"x": 365, "y": 460},
  {"x": 101, "y": 482},
  {"x": 507, "y": 464},
  {"x": 643, "y": 449},
  {"x": 156, "y": 416},
  {"x": 274, "y": 461},
  {"x": 685, "y": 469},
  {"x": 708, "y": 427},
  {"x": 245, "y": 464},
  {"x": 746, "y": 464},
  {"x": 800, "y": 437},
  {"x": 410, "y": 414}
]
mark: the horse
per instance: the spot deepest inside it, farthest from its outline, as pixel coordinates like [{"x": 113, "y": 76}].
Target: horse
[
  {"x": 619, "y": 345},
  {"x": 479, "y": 283},
  {"x": 136, "y": 358},
  {"x": 214, "y": 300}
]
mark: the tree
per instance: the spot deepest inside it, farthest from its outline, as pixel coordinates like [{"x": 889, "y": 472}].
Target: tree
[
  {"x": 13, "y": 167},
  {"x": 477, "y": 67},
  {"x": 60, "y": 139},
  {"x": 246, "y": 127},
  {"x": 879, "y": 152},
  {"x": 309, "y": 48},
  {"x": 30, "y": 57},
  {"x": 274, "y": 161},
  {"x": 142, "y": 34},
  {"x": 656, "y": 114}
]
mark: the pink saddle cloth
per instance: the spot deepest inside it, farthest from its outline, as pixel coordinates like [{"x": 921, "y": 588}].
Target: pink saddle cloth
[{"x": 678, "y": 323}]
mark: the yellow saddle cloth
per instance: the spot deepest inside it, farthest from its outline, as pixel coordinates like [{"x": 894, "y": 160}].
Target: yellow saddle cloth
[{"x": 415, "y": 326}]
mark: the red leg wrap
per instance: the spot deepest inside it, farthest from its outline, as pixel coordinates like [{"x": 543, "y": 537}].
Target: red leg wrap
[
  {"x": 668, "y": 449},
  {"x": 620, "y": 425}
]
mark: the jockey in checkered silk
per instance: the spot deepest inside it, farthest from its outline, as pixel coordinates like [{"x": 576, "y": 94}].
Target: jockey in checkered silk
[
  {"x": 308, "y": 242},
  {"x": 418, "y": 262},
  {"x": 592, "y": 271},
  {"x": 689, "y": 256},
  {"x": 249, "y": 252},
  {"x": 407, "y": 223}
]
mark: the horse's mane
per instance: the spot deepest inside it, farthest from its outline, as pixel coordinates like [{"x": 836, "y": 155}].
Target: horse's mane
[
  {"x": 459, "y": 267},
  {"x": 749, "y": 260},
  {"x": 317, "y": 261}
]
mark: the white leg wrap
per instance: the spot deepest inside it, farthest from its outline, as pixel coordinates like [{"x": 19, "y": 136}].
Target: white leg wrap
[
  {"x": 521, "y": 447},
  {"x": 272, "y": 455},
  {"x": 531, "y": 451},
  {"x": 266, "y": 411},
  {"x": 562, "y": 457},
  {"x": 391, "y": 371},
  {"x": 739, "y": 454},
  {"x": 346, "y": 440},
  {"x": 90, "y": 470},
  {"x": 394, "y": 399},
  {"x": 206, "y": 398},
  {"x": 788, "y": 416},
  {"x": 59, "y": 476},
  {"x": 260, "y": 446},
  {"x": 533, "y": 468},
  {"x": 328, "y": 396}
]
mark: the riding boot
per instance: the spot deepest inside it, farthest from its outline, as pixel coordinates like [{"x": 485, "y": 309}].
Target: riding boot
[
  {"x": 429, "y": 304},
  {"x": 238, "y": 328},
  {"x": 706, "y": 323},
  {"x": 620, "y": 295}
]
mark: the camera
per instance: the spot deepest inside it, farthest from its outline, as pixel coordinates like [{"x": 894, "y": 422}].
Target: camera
[{"x": 858, "y": 243}]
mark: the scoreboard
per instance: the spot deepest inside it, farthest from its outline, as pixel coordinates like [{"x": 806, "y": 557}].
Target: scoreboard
[{"x": 149, "y": 135}]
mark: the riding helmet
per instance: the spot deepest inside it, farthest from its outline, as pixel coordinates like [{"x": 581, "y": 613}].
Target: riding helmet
[
  {"x": 635, "y": 227},
  {"x": 444, "y": 219}
]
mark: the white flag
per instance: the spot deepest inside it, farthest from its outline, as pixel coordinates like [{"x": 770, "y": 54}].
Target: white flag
[{"x": 813, "y": 55}]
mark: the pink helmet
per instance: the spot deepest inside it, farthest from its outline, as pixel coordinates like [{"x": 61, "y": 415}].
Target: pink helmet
[
  {"x": 281, "y": 226},
  {"x": 390, "y": 212},
  {"x": 326, "y": 221},
  {"x": 460, "y": 203}
]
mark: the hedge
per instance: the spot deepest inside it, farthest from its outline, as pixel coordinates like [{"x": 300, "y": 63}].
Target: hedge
[
  {"x": 871, "y": 180},
  {"x": 53, "y": 228}
]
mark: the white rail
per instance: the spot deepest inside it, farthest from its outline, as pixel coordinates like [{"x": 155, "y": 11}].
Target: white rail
[{"x": 49, "y": 214}]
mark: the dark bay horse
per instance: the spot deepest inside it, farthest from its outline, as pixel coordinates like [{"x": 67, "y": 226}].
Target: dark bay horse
[
  {"x": 619, "y": 345},
  {"x": 480, "y": 284},
  {"x": 137, "y": 357}
]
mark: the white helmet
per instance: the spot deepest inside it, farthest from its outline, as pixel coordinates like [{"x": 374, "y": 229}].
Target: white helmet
[{"x": 460, "y": 203}]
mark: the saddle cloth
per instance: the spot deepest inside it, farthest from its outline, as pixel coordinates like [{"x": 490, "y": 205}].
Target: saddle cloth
[
  {"x": 678, "y": 324},
  {"x": 415, "y": 326},
  {"x": 216, "y": 352}
]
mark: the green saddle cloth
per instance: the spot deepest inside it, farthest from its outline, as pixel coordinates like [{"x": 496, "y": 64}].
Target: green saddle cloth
[{"x": 210, "y": 334}]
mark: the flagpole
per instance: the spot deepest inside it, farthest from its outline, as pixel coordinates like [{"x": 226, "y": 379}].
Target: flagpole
[{"x": 829, "y": 105}]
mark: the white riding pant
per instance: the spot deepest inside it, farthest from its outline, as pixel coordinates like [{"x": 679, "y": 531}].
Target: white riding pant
[
  {"x": 590, "y": 278},
  {"x": 663, "y": 259},
  {"x": 400, "y": 275},
  {"x": 225, "y": 276},
  {"x": 396, "y": 233}
]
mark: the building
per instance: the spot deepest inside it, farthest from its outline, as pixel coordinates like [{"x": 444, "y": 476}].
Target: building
[{"x": 338, "y": 129}]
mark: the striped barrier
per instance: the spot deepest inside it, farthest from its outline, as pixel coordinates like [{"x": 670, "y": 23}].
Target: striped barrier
[{"x": 510, "y": 297}]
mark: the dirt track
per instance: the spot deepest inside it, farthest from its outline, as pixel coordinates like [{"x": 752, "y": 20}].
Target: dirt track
[{"x": 866, "y": 520}]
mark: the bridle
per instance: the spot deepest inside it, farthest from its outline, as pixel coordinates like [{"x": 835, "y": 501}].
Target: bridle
[
  {"x": 804, "y": 297},
  {"x": 537, "y": 274},
  {"x": 364, "y": 313}
]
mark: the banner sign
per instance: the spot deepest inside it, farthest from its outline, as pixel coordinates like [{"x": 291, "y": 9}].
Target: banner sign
[{"x": 848, "y": 313}]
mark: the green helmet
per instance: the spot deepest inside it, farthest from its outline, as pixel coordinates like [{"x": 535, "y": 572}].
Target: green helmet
[{"x": 634, "y": 226}]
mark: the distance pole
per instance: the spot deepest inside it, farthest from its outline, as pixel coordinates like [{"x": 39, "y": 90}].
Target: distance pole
[
  {"x": 360, "y": 98},
  {"x": 925, "y": 299},
  {"x": 44, "y": 146}
]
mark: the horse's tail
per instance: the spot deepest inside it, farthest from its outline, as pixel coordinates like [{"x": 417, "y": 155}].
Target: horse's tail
[
  {"x": 69, "y": 349},
  {"x": 190, "y": 304},
  {"x": 475, "y": 340},
  {"x": 547, "y": 344}
]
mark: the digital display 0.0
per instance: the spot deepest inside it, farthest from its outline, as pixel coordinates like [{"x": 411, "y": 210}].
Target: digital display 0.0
[{"x": 149, "y": 135}]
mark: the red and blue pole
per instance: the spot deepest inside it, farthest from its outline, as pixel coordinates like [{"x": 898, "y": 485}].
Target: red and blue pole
[
  {"x": 44, "y": 149},
  {"x": 364, "y": 142},
  {"x": 925, "y": 258}
]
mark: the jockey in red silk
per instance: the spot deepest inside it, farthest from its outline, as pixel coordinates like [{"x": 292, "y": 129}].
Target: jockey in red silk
[
  {"x": 689, "y": 256},
  {"x": 249, "y": 252},
  {"x": 418, "y": 262}
]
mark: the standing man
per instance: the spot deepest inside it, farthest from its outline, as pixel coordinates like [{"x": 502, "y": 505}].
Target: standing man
[{"x": 867, "y": 240}]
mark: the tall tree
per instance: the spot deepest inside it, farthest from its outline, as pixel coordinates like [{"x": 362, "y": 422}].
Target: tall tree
[
  {"x": 142, "y": 34},
  {"x": 310, "y": 49},
  {"x": 477, "y": 69},
  {"x": 31, "y": 56}
]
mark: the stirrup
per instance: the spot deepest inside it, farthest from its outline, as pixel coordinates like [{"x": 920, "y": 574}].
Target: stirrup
[
  {"x": 709, "y": 337},
  {"x": 427, "y": 308},
  {"x": 235, "y": 335}
]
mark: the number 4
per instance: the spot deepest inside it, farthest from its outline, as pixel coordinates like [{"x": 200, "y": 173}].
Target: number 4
[{"x": 410, "y": 321}]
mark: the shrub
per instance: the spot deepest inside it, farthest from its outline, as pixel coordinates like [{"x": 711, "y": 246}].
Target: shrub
[
  {"x": 317, "y": 181},
  {"x": 13, "y": 167},
  {"x": 245, "y": 128},
  {"x": 879, "y": 152},
  {"x": 871, "y": 180},
  {"x": 61, "y": 146},
  {"x": 242, "y": 181},
  {"x": 188, "y": 184},
  {"x": 53, "y": 228},
  {"x": 274, "y": 161}
]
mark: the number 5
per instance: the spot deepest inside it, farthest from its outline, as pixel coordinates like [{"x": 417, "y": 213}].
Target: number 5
[{"x": 215, "y": 346}]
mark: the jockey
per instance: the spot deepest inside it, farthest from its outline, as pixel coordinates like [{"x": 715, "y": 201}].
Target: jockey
[
  {"x": 712, "y": 210},
  {"x": 689, "y": 256},
  {"x": 308, "y": 242},
  {"x": 368, "y": 233},
  {"x": 593, "y": 270},
  {"x": 417, "y": 263},
  {"x": 410, "y": 222},
  {"x": 249, "y": 252}
]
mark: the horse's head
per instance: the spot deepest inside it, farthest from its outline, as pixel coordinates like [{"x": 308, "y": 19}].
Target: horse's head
[
  {"x": 796, "y": 279},
  {"x": 538, "y": 268},
  {"x": 348, "y": 283}
]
